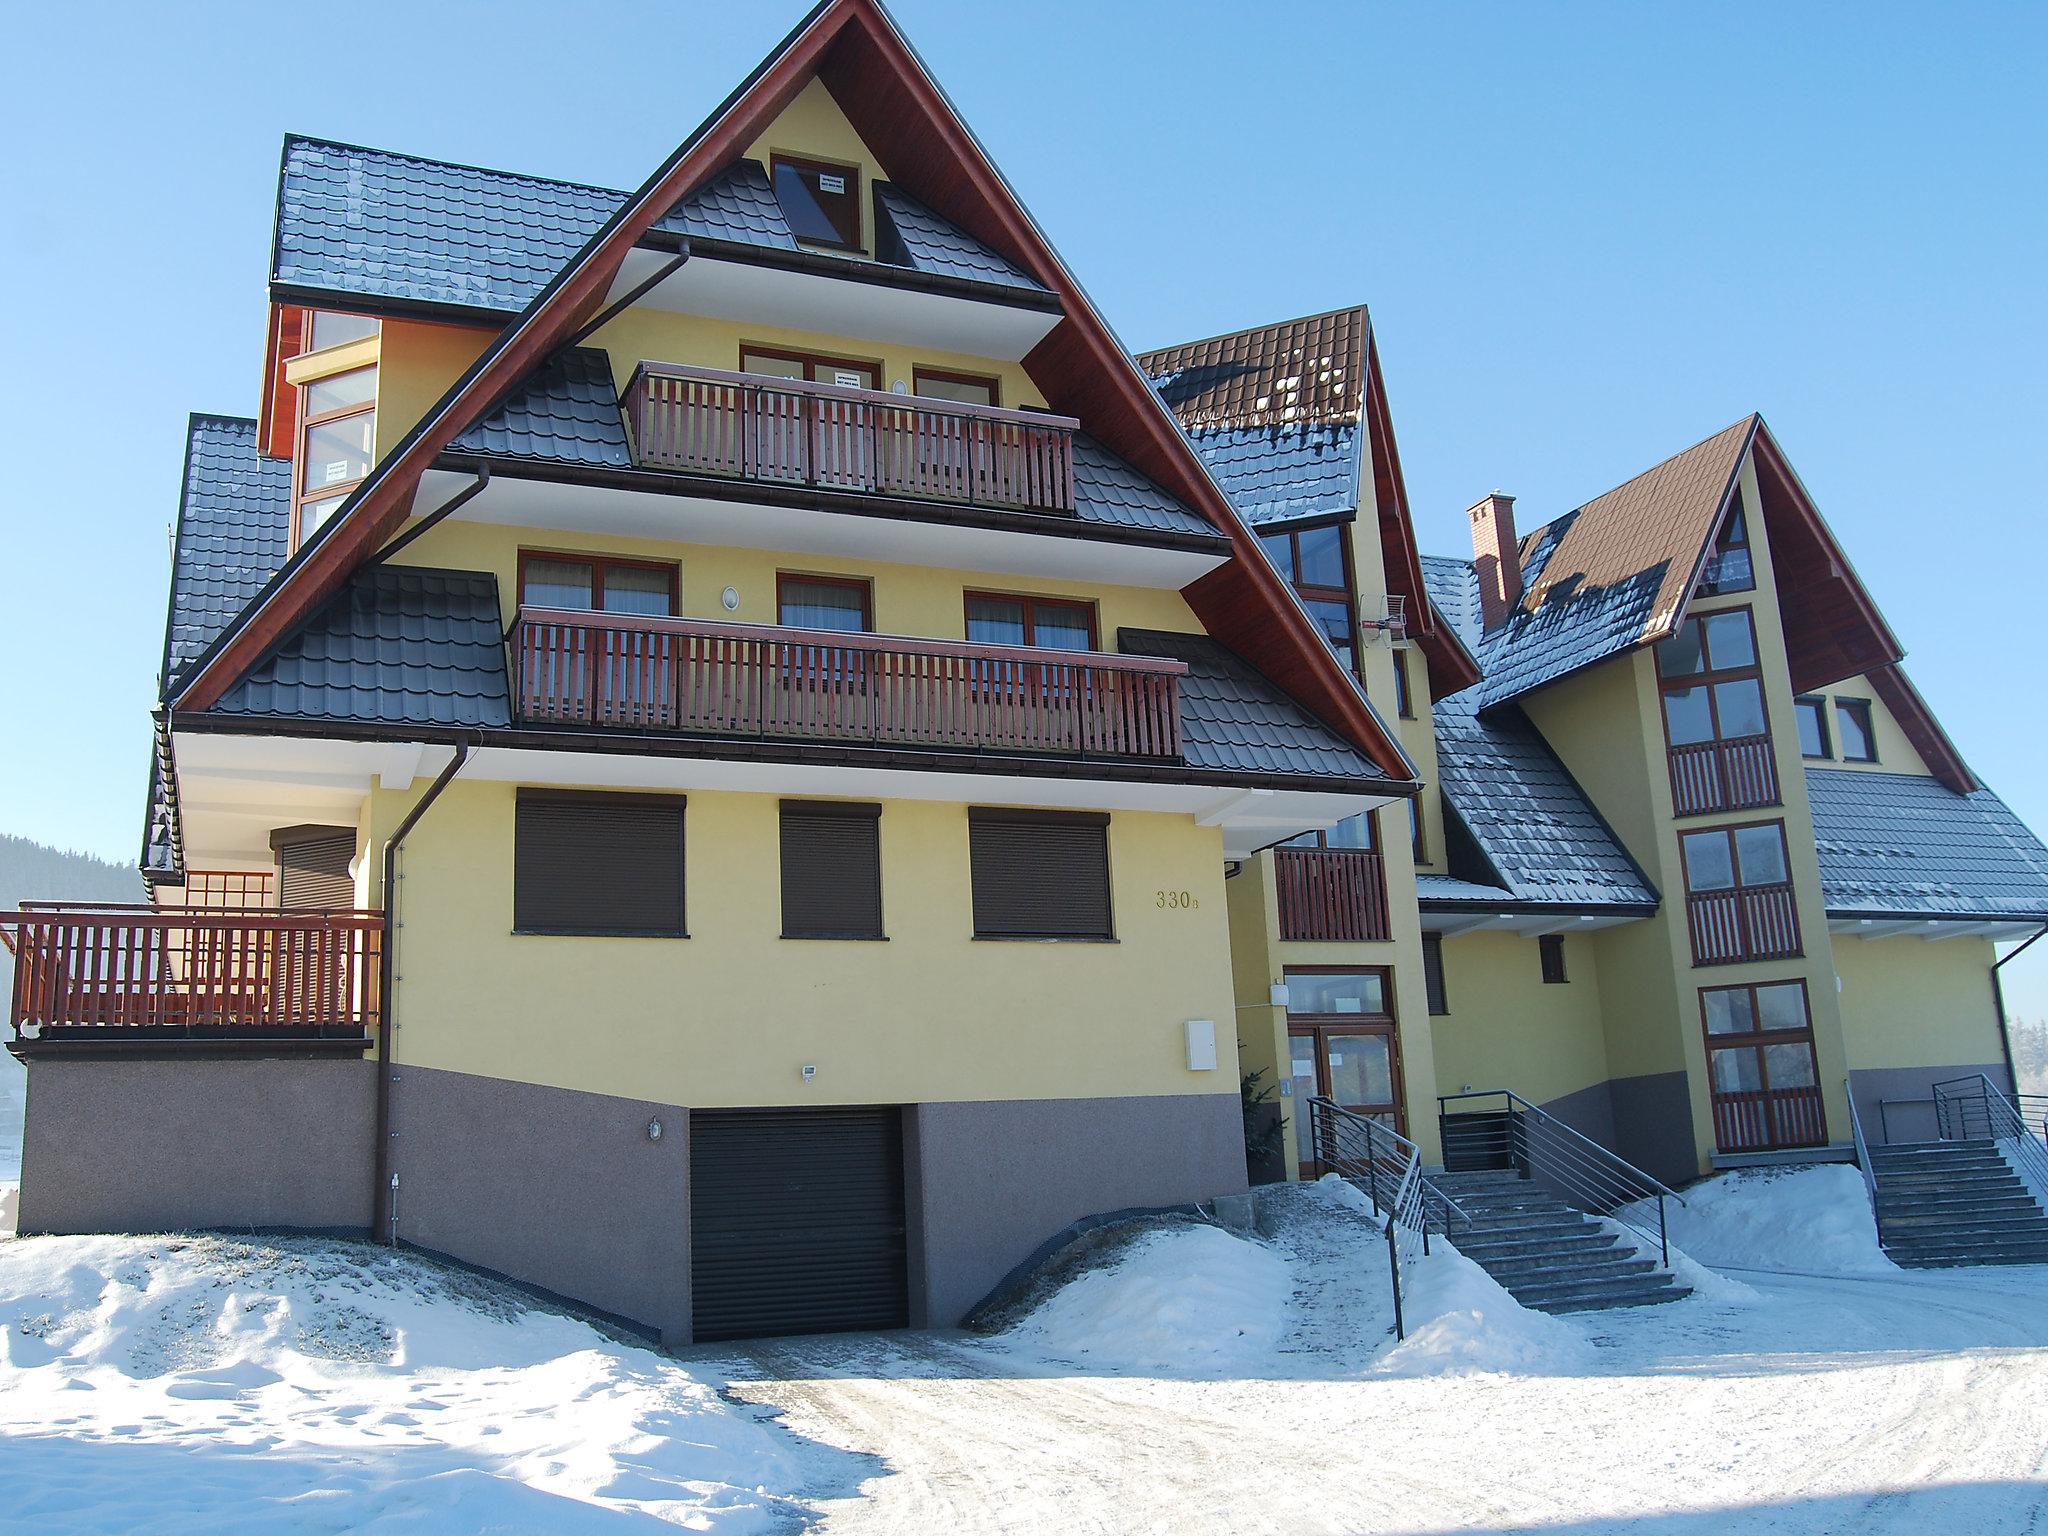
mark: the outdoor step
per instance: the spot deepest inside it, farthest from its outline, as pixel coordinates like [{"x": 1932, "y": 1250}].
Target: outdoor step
[
  {"x": 1965, "y": 1261},
  {"x": 1483, "y": 1253},
  {"x": 1970, "y": 1253},
  {"x": 1986, "y": 1183},
  {"x": 1967, "y": 1221},
  {"x": 1990, "y": 1159},
  {"x": 1494, "y": 1221},
  {"x": 1511, "y": 1272},
  {"x": 1491, "y": 1204},
  {"x": 1544, "y": 1293},
  {"x": 1521, "y": 1231},
  {"x": 1642, "y": 1298},
  {"x": 1913, "y": 1203}
]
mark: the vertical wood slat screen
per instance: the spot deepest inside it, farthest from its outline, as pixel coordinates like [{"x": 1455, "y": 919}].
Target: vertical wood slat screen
[
  {"x": 598, "y": 864},
  {"x": 1040, "y": 874},
  {"x": 831, "y": 870}
]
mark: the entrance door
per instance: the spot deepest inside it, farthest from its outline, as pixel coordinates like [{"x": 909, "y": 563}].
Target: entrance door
[{"x": 1343, "y": 1047}]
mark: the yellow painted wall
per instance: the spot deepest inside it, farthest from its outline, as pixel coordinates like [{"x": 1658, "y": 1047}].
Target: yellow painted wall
[
  {"x": 908, "y": 599},
  {"x": 1507, "y": 1028},
  {"x": 417, "y": 361},
  {"x": 728, "y": 1016},
  {"x": 1913, "y": 1002},
  {"x": 1895, "y": 754}
]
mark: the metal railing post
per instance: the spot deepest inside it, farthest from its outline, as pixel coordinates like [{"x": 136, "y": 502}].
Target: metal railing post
[
  {"x": 1394, "y": 1270},
  {"x": 1663, "y": 1235}
]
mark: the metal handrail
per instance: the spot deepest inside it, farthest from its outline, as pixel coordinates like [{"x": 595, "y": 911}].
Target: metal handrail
[
  {"x": 1600, "y": 1181},
  {"x": 2003, "y": 1123},
  {"x": 1863, "y": 1157},
  {"x": 1387, "y": 1167}
]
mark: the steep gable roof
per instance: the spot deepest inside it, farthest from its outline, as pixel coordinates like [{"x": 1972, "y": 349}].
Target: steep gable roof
[
  {"x": 1899, "y": 845},
  {"x": 234, "y": 516},
  {"x": 899, "y": 111}
]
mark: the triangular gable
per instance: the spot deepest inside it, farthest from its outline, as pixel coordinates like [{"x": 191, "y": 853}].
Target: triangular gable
[{"x": 894, "y": 105}]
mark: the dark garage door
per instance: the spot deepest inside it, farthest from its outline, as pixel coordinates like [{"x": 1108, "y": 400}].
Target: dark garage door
[{"x": 796, "y": 1221}]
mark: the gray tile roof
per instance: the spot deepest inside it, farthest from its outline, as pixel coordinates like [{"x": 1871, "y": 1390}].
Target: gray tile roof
[
  {"x": 388, "y": 226},
  {"x": 1234, "y": 720},
  {"x": 567, "y": 413},
  {"x": 927, "y": 242},
  {"x": 1108, "y": 490},
  {"x": 398, "y": 645},
  {"x": 1454, "y": 588},
  {"x": 1448, "y": 890},
  {"x": 234, "y": 526},
  {"x": 1901, "y": 845},
  {"x": 1281, "y": 474}
]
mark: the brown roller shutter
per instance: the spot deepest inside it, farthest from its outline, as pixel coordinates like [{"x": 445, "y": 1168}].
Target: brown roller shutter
[
  {"x": 312, "y": 866},
  {"x": 796, "y": 1221},
  {"x": 598, "y": 864},
  {"x": 1039, "y": 874},
  {"x": 831, "y": 870}
]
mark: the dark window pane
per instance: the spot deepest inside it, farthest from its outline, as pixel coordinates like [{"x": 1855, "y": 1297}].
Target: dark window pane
[
  {"x": 1708, "y": 866},
  {"x": 1789, "y": 1066},
  {"x": 1352, "y": 832},
  {"x": 1740, "y": 705},
  {"x": 340, "y": 391},
  {"x": 557, "y": 584},
  {"x": 1781, "y": 1006},
  {"x": 331, "y": 330},
  {"x": 1728, "y": 570},
  {"x": 1761, "y": 852},
  {"x": 1279, "y": 549},
  {"x": 1737, "y": 1071},
  {"x": 1813, "y": 726},
  {"x": 1681, "y": 656},
  {"x": 1852, "y": 718},
  {"x": 773, "y": 366},
  {"x": 1404, "y": 705},
  {"x": 995, "y": 620},
  {"x": 1730, "y": 641},
  {"x": 1361, "y": 1068},
  {"x": 1687, "y": 716},
  {"x": 1551, "y": 950},
  {"x": 1728, "y": 1011},
  {"x": 967, "y": 391},
  {"x": 821, "y": 204},
  {"x": 1322, "y": 557},
  {"x": 636, "y": 589},
  {"x": 1336, "y": 992},
  {"x": 1433, "y": 972},
  {"x": 824, "y": 605}
]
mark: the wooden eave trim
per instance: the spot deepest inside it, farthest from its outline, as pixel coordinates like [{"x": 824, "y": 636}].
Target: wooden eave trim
[{"x": 1922, "y": 729}]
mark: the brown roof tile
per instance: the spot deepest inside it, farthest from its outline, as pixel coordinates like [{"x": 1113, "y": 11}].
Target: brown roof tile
[{"x": 1294, "y": 373}]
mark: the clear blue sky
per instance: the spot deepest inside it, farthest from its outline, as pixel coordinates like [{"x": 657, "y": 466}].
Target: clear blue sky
[{"x": 1590, "y": 235}]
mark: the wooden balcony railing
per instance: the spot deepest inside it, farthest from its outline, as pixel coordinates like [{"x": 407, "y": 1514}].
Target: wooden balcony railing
[
  {"x": 689, "y": 676},
  {"x": 1759, "y": 1119},
  {"x": 1751, "y": 922},
  {"x": 113, "y": 971},
  {"x": 1336, "y": 894},
  {"x": 786, "y": 431},
  {"x": 1733, "y": 775}
]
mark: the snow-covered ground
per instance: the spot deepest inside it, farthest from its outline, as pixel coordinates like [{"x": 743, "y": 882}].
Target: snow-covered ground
[
  {"x": 1185, "y": 1378},
  {"x": 1740, "y": 1221},
  {"x": 210, "y": 1385}
]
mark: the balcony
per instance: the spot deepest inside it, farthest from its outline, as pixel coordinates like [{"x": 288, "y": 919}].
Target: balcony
[
  {"x": 687, "y": 676},
  {"x": 742, "y": 426},
  {"x": 1738, "y": 774},
  {"x": 119, "y": 974},
  {"x": 1336, "y": 895},
  {"x": 1750, "y": 922}
]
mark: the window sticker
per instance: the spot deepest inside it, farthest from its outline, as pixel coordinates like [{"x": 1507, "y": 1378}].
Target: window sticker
[{"x": 831, "y": 183}]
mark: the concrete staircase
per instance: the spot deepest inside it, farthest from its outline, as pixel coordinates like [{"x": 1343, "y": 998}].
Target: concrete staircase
[
  {"x": 1548, "y": 1255},
  {"x": 1945, "y": 1203}
]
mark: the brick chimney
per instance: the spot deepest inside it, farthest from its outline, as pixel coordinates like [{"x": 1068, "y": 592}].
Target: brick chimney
[{"x": 1494, "y": 556}]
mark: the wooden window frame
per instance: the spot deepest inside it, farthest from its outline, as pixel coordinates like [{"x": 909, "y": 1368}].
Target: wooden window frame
[
  {"x": 919, "y": 373},
  {"x": 1316, "y": 1025},
  {"x": 306, "y": 424},
  {"x": 1404, "y": 698},
  {"x": 830, "y": 168},
  {"x": 840, "y": 810},
  {"x": 1862, "y": 711},
  {"x": 1026, "y": 816},
  {"x": 312, "y": 313},
  {"x": 1316, "y": 591},
  {"x": 1758, "y": 1039},
  {"x": 811, "y": 363},
  {"x": 1322, "y": 837},
  {"x": 676, "y": 803},
  {"x": 1031, "y": 602},
  {"x": 1550, "y": 959},
  {"x": 1818, "y": 702},
  {"x": 1728, "y": 829},
  {"x": 1435, "y": 990},
  {"x": 1708, "y": 678},
  {"x": 598, "y": 563},
  {"x": 1736, "y": 889},
  {"x": 864, "y": 585},
  {"x": 1736, "y": 509}
]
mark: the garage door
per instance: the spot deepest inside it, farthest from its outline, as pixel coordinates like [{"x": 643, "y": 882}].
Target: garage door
[{"x": 796, "y": 1221}]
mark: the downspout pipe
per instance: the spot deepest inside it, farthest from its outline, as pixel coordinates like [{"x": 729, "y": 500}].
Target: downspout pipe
[
  {"x": 383, "y": 1210},
  {"x": 2012, "y": 1070}
]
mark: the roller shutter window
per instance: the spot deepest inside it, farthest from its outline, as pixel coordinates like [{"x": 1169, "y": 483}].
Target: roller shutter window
[
  {"x": 312, "y": 866},
  {"x": 598, "y": 864},
  {"x": 831, "y": 870},
  {"x": 1433, "y": 973},
  {"x": 1040, "y": 874}
]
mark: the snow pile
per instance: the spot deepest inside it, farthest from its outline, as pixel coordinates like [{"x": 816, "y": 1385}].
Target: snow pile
[
  {"x": 1189, "y": 1298},
  {"x": 1461, "y": 1321},
  {"x": 1814, "y": 1219},
  {"x": 209, "y": 1385}
]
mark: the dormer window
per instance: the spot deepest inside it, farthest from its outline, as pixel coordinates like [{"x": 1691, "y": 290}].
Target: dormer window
[
  {"x": 337, "y": 414},
  {"x": 820, "y": 200},
  {"x": 1729, "y": 568}
]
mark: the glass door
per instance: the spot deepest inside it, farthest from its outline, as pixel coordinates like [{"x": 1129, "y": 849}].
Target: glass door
[{"x": 1342, "y": 1046}]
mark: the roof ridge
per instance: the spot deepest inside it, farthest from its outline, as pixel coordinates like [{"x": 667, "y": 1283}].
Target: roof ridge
[{"x": 291, "y": 139}]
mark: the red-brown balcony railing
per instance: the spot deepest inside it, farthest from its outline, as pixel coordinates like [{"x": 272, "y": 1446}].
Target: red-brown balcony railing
[
  {"x": 1759, "y": 1119},
  {"x": 786, "y": 431},
  {"x": 1337, "y": 894},
  {"x": 117, "y": 971},
  {"x": 686, "y": 675},
  {"x": 1751, "y": 922},
  {"x": 1732, "y": 775}
]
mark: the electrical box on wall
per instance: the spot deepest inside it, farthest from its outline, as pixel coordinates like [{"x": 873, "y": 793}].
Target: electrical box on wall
[{"x": 1201, "y": 1045}]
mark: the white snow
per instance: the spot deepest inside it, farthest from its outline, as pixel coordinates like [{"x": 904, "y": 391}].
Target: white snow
[
  {"x": 1815, "y": 1220},
  {"x": 211, "y": 1385}
]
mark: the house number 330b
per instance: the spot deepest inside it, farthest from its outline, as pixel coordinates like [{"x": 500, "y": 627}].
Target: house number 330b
[{"x": 1181, "y": 901}]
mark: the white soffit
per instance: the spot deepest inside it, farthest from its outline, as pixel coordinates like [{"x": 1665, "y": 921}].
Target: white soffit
[
  {"x": 235, "y": 788},
  {"x": 805, "y": 301},
  {"x": 1931, "y": 928},
  {"x": 1528, "y": 924},
  {"x": 519, "y": 503}
]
